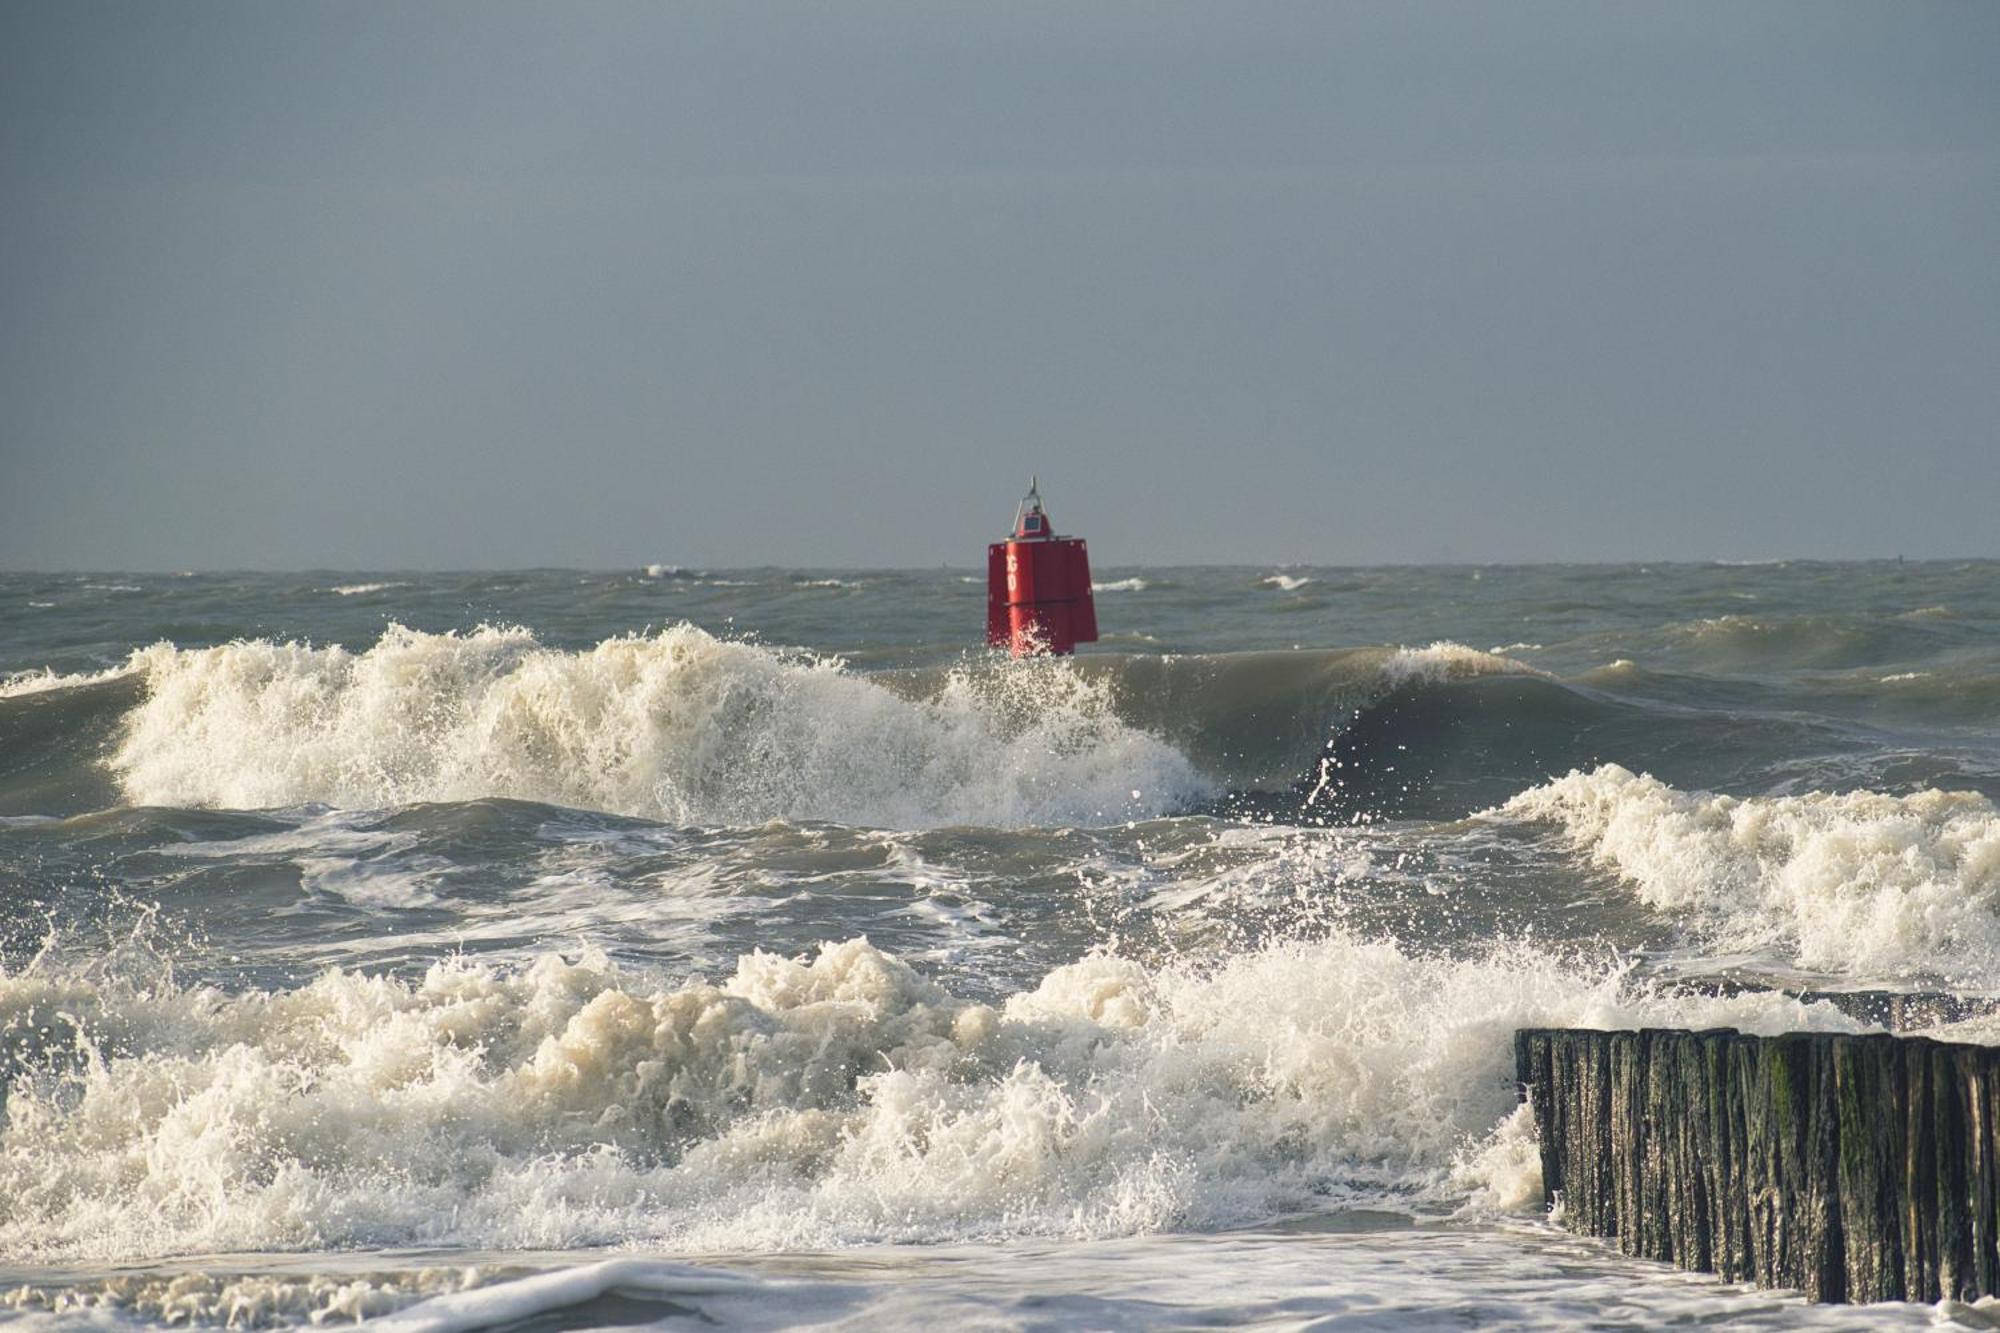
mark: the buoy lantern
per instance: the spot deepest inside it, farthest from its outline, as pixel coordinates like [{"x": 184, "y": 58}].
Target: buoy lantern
[{"x": 1038, "y": 586}]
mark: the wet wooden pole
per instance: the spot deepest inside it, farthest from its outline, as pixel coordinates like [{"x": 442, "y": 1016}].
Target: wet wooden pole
[{"x": 1852, "y": 1168}]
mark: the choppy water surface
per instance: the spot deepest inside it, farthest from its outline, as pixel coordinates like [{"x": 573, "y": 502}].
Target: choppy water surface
[{"x": 667, "y": 945}]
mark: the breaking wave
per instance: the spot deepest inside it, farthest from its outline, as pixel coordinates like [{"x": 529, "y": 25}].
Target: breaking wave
[
  {"x": 679, "y": 726},
  {"x": 1855, "y": 883},
  {"x": 1446, "y": 661},
  {"x": 689, "y": 728},
  {"x": 20, "y": 684},
  {"x": 362, "y": 589},
  {"x": 839, "y": 1099}
]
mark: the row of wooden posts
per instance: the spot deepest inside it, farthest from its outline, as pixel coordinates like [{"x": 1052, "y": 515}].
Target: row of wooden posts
[{"x": 1851, "y": 1167}]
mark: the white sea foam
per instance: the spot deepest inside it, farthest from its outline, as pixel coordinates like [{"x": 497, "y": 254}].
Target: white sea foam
[
  {"x": 1120, "y": 585},
  {"x": 482, "y": 1306},
  {"x": 679, "y": 726},
  {"x": 836, "y": 1100},
  {"x": 1444, "y": 661},
  {"x": 1855, "y": 883},
  {"x": 362, "y": 589},
  {"x": 1286, "y": 582},
  {"x": 366, "y": 866},
  {"x": 250, "y": 1301},
  {"x": 1377, "y": 1276},
  {"x": 43, "y": 680}
]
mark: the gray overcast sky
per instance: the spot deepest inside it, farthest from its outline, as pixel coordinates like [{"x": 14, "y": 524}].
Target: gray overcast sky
[{"x": 378, "y": 285}]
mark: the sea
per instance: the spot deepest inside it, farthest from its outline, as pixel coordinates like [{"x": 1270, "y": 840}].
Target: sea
[{"x": 674, "y": 947}]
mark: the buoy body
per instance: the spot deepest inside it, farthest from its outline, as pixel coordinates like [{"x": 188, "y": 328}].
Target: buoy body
[{"x": 1038, "y": 587}]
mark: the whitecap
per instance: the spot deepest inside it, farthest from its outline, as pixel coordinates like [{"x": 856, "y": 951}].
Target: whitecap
[
  {"x": 1444, "y": 660},
  {"x": 43, "y": 679},
  {"x": 679, "y": 726},
  {"x": 1856, "y": 883}
]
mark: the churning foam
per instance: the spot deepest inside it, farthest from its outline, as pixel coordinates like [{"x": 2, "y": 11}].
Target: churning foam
[
  {"x": 252, "y": 1301},
  {"x": 680, "y": 726},
  {"x": 839, "y": 1099},
  {"x": 1856, "y": 883}
]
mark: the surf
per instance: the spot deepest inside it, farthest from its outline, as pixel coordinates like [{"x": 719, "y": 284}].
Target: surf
[
  {"x": 686, "y": 727},
  {"x": 832, "y": 1099},
  {"x": 679, "y": 726},
  {"x": 1859, "y": 883}
]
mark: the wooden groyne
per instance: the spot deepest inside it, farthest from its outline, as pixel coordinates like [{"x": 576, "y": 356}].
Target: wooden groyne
[{"x": 1853, "y": 1168}]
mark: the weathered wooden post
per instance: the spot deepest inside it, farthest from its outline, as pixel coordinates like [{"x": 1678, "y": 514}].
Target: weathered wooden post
[{"x": 1851, "y": 1167}]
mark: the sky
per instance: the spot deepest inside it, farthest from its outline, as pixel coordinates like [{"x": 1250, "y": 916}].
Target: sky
[{"x": 428, "y": 285}]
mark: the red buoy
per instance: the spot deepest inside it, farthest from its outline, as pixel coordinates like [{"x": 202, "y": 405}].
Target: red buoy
[{"x": 1038, "y": 586}]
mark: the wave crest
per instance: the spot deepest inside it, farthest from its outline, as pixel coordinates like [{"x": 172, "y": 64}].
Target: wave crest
[
  {"x": 1856, "y": 883},
  {"x": 20, "y": 684},
  {"x": 1445, "y": 661},
  {"x": 679, "y": 726}
]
